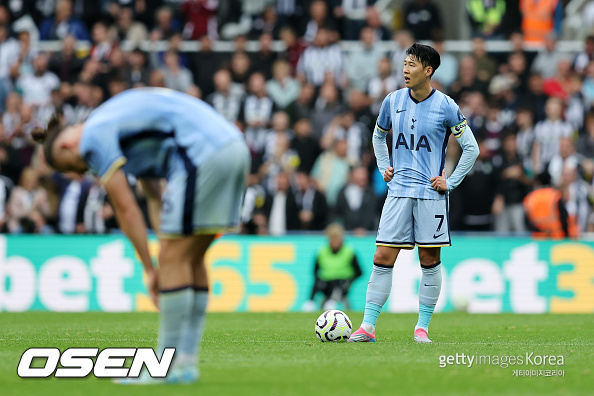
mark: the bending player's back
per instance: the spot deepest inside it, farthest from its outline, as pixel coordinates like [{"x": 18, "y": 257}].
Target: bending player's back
[{"x": 194, "y": 124}]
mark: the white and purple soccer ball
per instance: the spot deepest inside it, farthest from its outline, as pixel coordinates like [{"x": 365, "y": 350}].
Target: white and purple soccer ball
[{"x": 333, "y": 325}]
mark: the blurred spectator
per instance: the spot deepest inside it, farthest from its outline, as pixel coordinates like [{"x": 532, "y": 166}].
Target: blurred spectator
[
  {"x": 253, "y": 217},
  {"x": 62, "y": 24},
  {"x": 165, "y": 25},
  {"x": 282, "y": 88},
  {"x": 306, "y": 147},
  {"x": 302, "y": 107},
  {"x": 478, "y": 192},
  {"x": 547, "y": 135},
  {"x": 525, "y": 136},
  {"x": 586, "y": 56},
  {"x": 320, "y": 59},
  {"x": 547, "y": 60},
  {"x": 200, "y": 18},
  {"x": 11, "y": 118},
  {"x": 157, "y": 79},
  {"x": 540, "y": 18},
  {"x": 576, "y": 103},
  {"x": 27, "y": 201},
  {"x": 518, "y": 69},
  {"x": 257, "y": 112},
  {"x": 73, "y": 190},
  {"x": 97, "y": 212},
  {"x": 282, "y": 208},
  {"x": 128, "y": 28},
  {"x": 547, "y": 214},
  {"x": 240, "y": 68},
  {"x": 294, "y": 47},
  {"x": 228, "y": 96},
  {"x": 423, "y": 19},
  {"x": 205, "y": 63},
  {"x": 37, "y": 87},
  {"x": 234, "y": 21},
  {"x": 335, "y": 269},
  {"x": 84, "y": 102},
  {"x": 318, "y": 19},
  {"x": 311, "y": 203},
  {"x": 103, "y": 44},
  {"x": 486, "y": 67},
  {"x": 344, "y": 126},
  {"x": 359, "y": 60},
  {"x": 280, "y": 129},
  {"x": 266, "y": 23},
  {"x": 512, "y": 188},
  {"x": 326, "y": 107},
  {"x": 535, "y": 97},
  {"x": 359, "y": 104},
  {"x": 448, "y": 67},
  {"x": 331, "y": 171},
  {"x": 355, "y": 204},
  {"x": 576, "y": 195},
  {"x": 467, "y": 79},
  {"x": 585, "y": 144},
  {"x": 404, "y": 40},
  {"x": 381, "y": 85},
  {"x": 6, "y": 186},
  {"x": 588, "y": 85},
  {"x": 352, "y": 14},
  {"x": 65, "y": 64},
  {"x": 137, "y": 72},
  {"x": 9, "y": 54},
  {"x": 24, "y": 63},
  {"x": 566, "y": 157},
  {"x": 265, "y": 57},
  {"x": 559, "y": 83},
  {"x": 374, "y": 21},
  {"x": 486, "y": 17},
  {"x": 176, "y": 76}
]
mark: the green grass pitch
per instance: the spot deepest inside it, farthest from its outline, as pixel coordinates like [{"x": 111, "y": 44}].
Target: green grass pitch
[{"x": 279, "y": 354}]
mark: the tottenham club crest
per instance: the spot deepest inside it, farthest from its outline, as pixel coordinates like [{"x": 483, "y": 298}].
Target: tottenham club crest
[{"x": 413, "y": 123}]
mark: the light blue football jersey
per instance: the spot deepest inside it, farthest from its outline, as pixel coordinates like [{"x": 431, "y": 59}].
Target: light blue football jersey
[
  {"x": 146, "y": 129},
  {"x": 420, "y": 133}
]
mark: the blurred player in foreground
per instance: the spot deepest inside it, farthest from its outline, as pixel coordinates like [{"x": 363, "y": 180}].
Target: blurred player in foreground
[
  {"x": 155, "y": 133},
  {"x": 416, "y": 209}
]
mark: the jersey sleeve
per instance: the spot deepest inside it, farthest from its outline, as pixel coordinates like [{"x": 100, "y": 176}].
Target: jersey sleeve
[
  {"x": 454, "y": 119},
  {"x": 384, "y": 119},
  {"x": 101, "y": 153}
]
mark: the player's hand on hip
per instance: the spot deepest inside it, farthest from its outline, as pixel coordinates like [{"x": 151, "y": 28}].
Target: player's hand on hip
[
  {"x": 388, "y": 174},
  {"x": 439, "y": 182}
]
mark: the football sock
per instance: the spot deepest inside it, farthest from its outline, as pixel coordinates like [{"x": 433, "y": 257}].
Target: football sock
[
  {"x": 429, "y": 289},
  {"x": 176, "y": 308},
  {"x": 378, "y": 291},
  {"x": 192, "y": 333}
]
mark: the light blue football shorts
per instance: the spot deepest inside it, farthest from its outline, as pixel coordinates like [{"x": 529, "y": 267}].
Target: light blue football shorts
[
  {"x": 407, "y": 222},
  {"x": 205, "y": 199}
]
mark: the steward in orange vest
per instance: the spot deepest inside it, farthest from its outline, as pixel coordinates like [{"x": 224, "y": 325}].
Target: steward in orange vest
[
  {"x": 537, "y": 19},
  {"x": 547, "y": 215}
]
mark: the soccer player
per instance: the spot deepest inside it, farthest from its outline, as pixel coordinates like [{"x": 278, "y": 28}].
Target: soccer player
[
  {"x": 416, "y": 209},
  {"x": 156, "y": 133}
]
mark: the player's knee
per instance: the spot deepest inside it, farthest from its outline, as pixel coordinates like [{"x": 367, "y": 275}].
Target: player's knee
[{"x": 384, "y": 257}]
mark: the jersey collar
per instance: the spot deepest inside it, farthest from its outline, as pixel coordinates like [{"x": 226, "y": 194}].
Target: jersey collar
[{"x": 416, "y": 101}]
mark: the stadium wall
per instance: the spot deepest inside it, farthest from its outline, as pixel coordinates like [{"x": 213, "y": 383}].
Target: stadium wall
[{"x": 247, "y": 273}]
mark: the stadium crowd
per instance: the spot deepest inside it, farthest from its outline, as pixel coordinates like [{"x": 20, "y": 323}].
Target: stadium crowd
[{"x": 307, "y": 111}]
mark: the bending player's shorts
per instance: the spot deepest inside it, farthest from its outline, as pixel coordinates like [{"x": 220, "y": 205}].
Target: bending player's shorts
[
  {"x": 407, "y": 222},
  {"x": 205, "y": 199}
]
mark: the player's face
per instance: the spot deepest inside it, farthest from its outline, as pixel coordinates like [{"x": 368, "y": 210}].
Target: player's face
[{"x": 414, "y": 72}]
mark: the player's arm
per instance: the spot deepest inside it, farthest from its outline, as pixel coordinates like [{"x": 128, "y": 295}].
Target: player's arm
[
  {"x": 380, "y": 132},
  {"x": 152, "y": 191},
  {"x": 131, "y": 222},
  {"x": 470, "y": 152}
]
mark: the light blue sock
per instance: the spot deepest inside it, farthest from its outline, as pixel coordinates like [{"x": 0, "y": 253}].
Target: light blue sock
[
  {"x": 176, "y": 308},
  {"x": 429, "y": 289},
  {"x": 192, "y": 333},
  {"x": 378, "y": 291}
]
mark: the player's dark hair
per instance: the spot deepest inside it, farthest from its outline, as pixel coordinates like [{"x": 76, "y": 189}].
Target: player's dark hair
[
  {"x": 48, "y": 136},
  {"x": 425, "y": 54}
]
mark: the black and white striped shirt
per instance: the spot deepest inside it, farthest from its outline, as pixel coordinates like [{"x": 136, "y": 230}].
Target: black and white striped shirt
[{"x": 316, "y": 61}]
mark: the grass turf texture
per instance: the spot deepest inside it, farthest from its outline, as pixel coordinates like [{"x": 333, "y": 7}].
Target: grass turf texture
[{"x": 279, "y": 354}]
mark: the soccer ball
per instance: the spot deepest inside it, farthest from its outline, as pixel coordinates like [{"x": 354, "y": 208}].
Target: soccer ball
[{"x": 333, "y": 325}]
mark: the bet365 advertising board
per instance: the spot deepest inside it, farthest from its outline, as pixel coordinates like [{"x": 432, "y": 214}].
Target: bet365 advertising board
[{"x": 247, "y": 273}]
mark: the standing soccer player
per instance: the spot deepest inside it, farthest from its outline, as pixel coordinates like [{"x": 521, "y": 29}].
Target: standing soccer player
[
  {"x": 416, "y": 209},
  {"x": 154, "y": 134}
]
